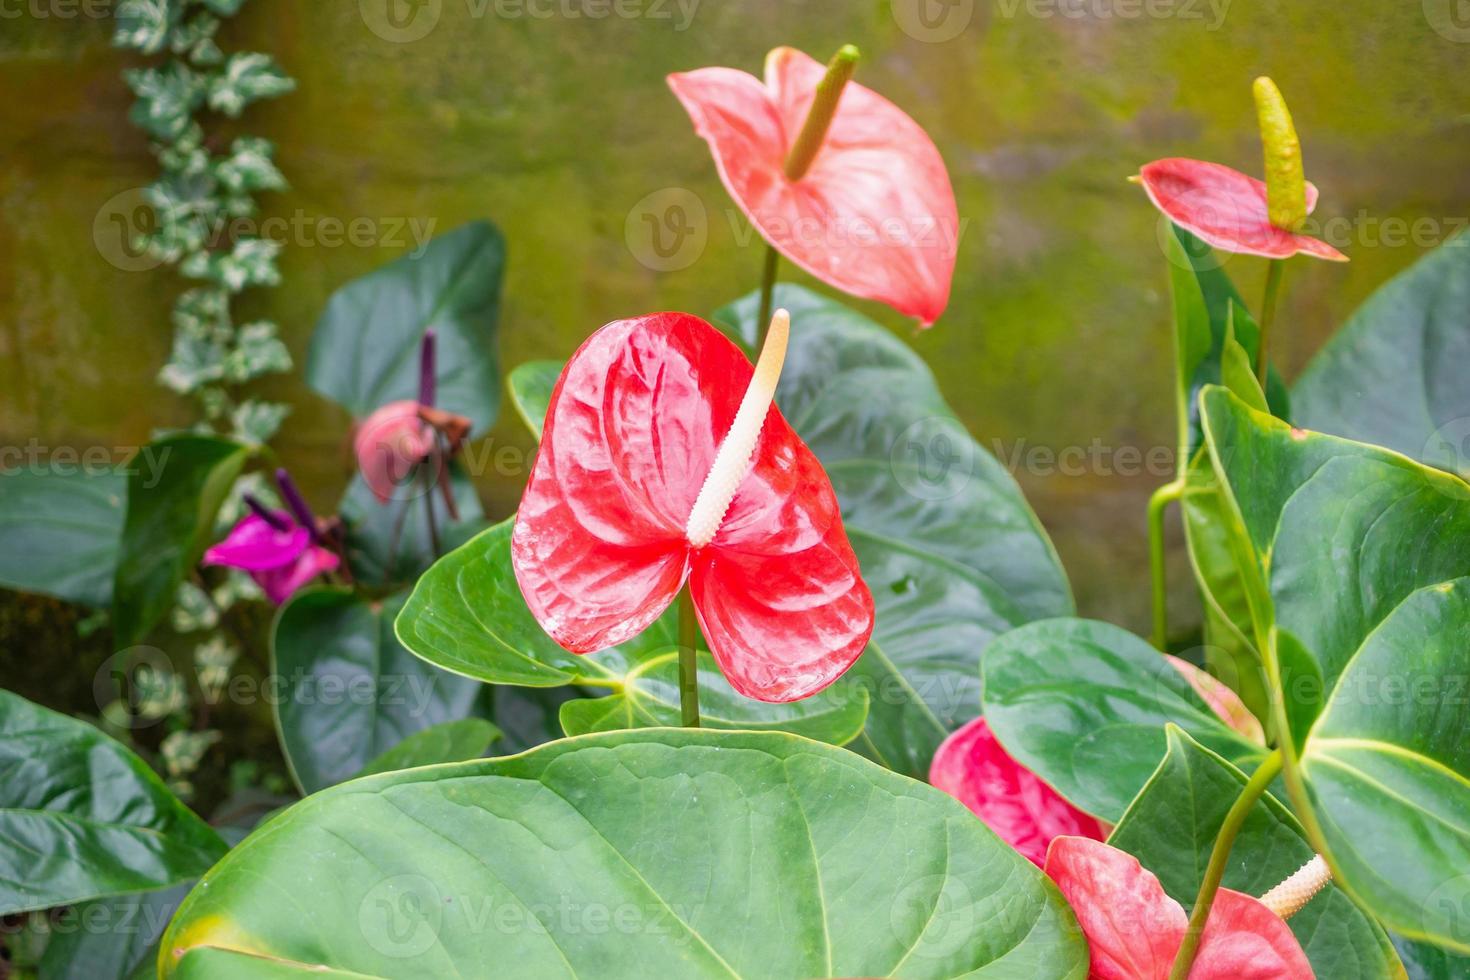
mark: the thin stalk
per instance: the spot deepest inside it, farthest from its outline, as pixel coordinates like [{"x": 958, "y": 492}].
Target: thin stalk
[
  {"x": 428, "y": 495},
  {"x": 768, "y": 289},
  {"x": 1268, "y": 316},
  {"x": 1157, "y": 504},
  {"x": 1215, "y": 871},
  {"x": 688, "y": 666}
]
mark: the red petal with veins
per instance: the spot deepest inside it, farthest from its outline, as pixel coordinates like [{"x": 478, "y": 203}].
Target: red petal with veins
[
  {"x": 972, "y": 767},
  {"x": 1134, "y": 929},
  {"x": 1227, "y": 209},
  {"x": 599, "y": 547},
  {"x": 875, "y": 215}
]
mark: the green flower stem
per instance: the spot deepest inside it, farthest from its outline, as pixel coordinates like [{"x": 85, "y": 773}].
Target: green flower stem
[
  {"x": 430, "y": 466},
  {"x": 768, "y": 288},
  {"x": 1268, "y": 315},
  {"x": 824, "y": 106},
  {"x": 688, "y": 666},
  {"x": 1157, "y": 504},
  {"x": 1215, "y": 871}
]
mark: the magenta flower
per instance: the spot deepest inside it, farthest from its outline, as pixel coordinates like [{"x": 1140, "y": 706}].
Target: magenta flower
[{"x": 280, "y": 557}]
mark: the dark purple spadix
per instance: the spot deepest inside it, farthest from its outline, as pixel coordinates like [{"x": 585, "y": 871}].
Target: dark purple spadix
[
  {"x": 427, "y": 369},
  {"x": 265, "y": 513},
  {"x": 298, "y": 504}
]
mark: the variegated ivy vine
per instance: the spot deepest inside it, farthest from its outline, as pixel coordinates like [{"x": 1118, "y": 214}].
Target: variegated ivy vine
[{"x": 199, "y": 200}]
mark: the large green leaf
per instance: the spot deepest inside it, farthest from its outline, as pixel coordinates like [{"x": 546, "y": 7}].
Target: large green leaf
[
  {"x": 1171, "y": 828},
  {"x": 365, "y": 351},
  {"x": 531, "y": 385},
  {"x": 1387, "y": 769},
  {"x": 388, "y": 544},
  {"x": 661, "y": 853},
  {"x": 109, "y": 938},
  {"x": 1359, "y": 553},
  {"x": 350, "y": 691},
  {"x": 949, "y": 547},
  {"x": 1425, "y": 962},
  {"x": 1084, "y": 705},
  {"x": 81, "y": 817},
  {"x": 467, "y": 615},
  {"x": 448, "y": 741},
  {"x": 175, "y": 487},
  {"x": 61, "y": 533},
  {"x": 1394, "y": 375}
]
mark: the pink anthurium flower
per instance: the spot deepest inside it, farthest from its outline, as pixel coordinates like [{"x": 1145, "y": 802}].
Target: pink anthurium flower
[
  {"x": 662, "y": 461},
  {"x": 279, "y": 554},
  {"x": 1024, "y": 812},
  {"x": 1227, "y": 209},
  {"x": 872, "y": 213},
  {"x": 397, "y": 439},
  {"x": 1134, "y": 929}
]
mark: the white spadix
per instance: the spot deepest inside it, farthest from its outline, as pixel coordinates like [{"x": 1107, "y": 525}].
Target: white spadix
[
  {"x": 733, "y": 458},
  {"x": 1287, "y": 898}
]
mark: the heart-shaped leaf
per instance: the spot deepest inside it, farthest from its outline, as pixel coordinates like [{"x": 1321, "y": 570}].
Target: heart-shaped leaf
[
  {"x": 467, "y": 615},
  {"x": 61, "y": 533},
  {"x": 448, "y": 741},
  {"x": 351, "y": 691},
  {"x": 1083, "y": 705},
  {"x": 81, "y": 817},
  {"x": 1366, "y": 654},
  {"x": 1394, "y": 375},
  {"x": 1171, "y": 828},
  {"x": 951, "y": 551},
  {"x": 531, "y": 385},
  {"x": 637, "y": 854},
  {"x": 365, "y": 351},
  {"x": 175, "y": 487}
]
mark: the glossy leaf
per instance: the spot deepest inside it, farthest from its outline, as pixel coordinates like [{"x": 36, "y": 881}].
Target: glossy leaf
[
  {"x": 467, "y": 615},
  {"x": 1393, "y": 375},
  {"x": 1083, "y": 705},
  {"x": 61, "y": 533},
  {"x": 175, "y": 488},
  {"x": 594, "y": 856},
  {"x": 350, "y": 691},
  {"x": 531, "y": 385},
  {"x": 365, "y": 351},
  {"x": 1423, "y": 961},
  {"x": 874, "y": 215},
  {"x": 1171, "y": 827},
  {"x": 110, "y": 938},
  {"x": 600, "y": 546},
  {"x": 369, "y": 526},
  {"x": 1368, "y": 654},
  {"x": 448, "y": 741},
  {"x": 81, "y": 817}
]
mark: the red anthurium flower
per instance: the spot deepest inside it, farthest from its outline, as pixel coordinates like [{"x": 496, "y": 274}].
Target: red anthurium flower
[
  {"x": 1026, "y": 813},
  {"x": 389, "y": 445},
  {"x": 275, "y": 551},
  {"x": 874, "y": 215},
  {"x": 1227, "y": 209},
  {"x": 663, "y": 460},
  {"x": 1134, "y": 929}
]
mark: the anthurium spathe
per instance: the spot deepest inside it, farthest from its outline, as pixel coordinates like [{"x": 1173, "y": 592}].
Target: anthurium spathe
[
  {"x": 663, "y": 461},
  {"x": 1134, "y": 929},
  {"x": 1238, "y": 213},
  {"x": 279, "y": 553},
  {"x": 1026, "y": 813},
  {"x": 834, "y": 176}
]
